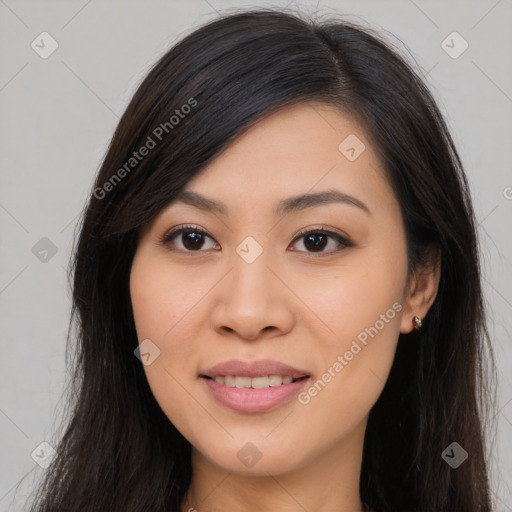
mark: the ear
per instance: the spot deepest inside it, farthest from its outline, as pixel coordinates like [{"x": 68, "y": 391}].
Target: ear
[{"x": 421, "y": 290}]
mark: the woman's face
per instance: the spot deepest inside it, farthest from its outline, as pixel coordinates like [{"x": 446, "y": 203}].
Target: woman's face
[{"x": 253, "y": 287}]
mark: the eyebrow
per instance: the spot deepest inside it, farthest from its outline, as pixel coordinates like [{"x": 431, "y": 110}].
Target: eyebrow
[{"x": 285, "y": 206}]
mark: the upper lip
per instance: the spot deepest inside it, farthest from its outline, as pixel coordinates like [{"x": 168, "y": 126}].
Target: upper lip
[{"x": 258, "y": 368}]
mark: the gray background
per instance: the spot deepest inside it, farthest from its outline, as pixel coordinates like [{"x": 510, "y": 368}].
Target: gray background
[{"x": 58, "y": 114}]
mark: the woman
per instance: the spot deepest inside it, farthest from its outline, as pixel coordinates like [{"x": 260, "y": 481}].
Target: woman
[{"x": 277, "y": 288}]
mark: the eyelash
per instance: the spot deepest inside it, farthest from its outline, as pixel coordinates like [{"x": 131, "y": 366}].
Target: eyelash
[{"x": 344, "y": 242}]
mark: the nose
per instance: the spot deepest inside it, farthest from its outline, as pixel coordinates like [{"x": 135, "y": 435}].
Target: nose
[{"x": 252, "y": 301}]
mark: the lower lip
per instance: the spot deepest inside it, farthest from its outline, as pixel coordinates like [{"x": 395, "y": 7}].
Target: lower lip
[{"x": 254, "y": 400}]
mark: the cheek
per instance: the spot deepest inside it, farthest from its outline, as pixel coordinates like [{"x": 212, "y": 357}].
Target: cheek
[
  {"x": 350, "y": 298},
  {"x": 166, "y": 312},
  {"x": 361, "y": 305},
  {"x": 162, "y": 299}
]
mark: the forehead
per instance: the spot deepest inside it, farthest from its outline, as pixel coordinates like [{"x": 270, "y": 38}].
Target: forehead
[{"x": 300, "y": 149}]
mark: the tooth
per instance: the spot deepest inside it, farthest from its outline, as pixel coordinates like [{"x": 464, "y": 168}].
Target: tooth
[
  {"x": 229, "y": 381},
  {"x": 260, "y": 382},
  {"x": 275, "y": 380},
  {"x": 243, "y": 382}
]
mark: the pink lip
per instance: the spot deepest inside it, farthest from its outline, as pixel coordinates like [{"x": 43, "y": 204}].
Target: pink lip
[
  {"x": 253, "y": 400},
  {"x": 249, "y": 399},
  {"x": 257, "y": 368}
]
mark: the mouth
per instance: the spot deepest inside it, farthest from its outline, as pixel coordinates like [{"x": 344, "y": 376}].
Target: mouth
[{"x": 253, "y": 386}]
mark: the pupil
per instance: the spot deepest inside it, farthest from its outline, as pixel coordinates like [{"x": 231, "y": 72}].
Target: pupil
[
  {"x": 195, "y": 236},
  {"x": 318, "y": 244}
]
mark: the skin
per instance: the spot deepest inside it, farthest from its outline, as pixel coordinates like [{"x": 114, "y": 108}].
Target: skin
[{"x": 292, "y": 304}]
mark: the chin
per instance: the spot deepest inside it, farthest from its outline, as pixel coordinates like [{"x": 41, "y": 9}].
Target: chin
[{"x": 255, "y": 458}]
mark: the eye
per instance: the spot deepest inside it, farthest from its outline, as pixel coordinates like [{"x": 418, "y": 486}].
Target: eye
[
  {"x": 317, "y": 239},
  {"x": 191, "y": 238}
]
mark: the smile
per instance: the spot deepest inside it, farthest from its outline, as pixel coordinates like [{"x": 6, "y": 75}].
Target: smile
[{"x": 253, "y": 395}]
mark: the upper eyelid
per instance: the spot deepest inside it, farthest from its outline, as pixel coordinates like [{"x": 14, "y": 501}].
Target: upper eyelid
[{"x": 185, "y": 227}]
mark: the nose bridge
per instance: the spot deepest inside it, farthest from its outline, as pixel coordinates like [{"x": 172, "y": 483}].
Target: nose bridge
[
  {"x": 251, "y": 298},
  {"x": 251, "y": 279}
]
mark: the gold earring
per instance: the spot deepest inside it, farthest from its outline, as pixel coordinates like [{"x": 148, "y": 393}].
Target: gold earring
[{"x": 417, "y": 322}]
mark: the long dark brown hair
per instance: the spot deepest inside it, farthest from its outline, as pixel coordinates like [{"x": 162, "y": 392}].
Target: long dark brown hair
[{"x": 118, "y": 451}]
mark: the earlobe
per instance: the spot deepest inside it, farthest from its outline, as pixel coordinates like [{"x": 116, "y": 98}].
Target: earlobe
[{"x": 422, "y": 291}]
